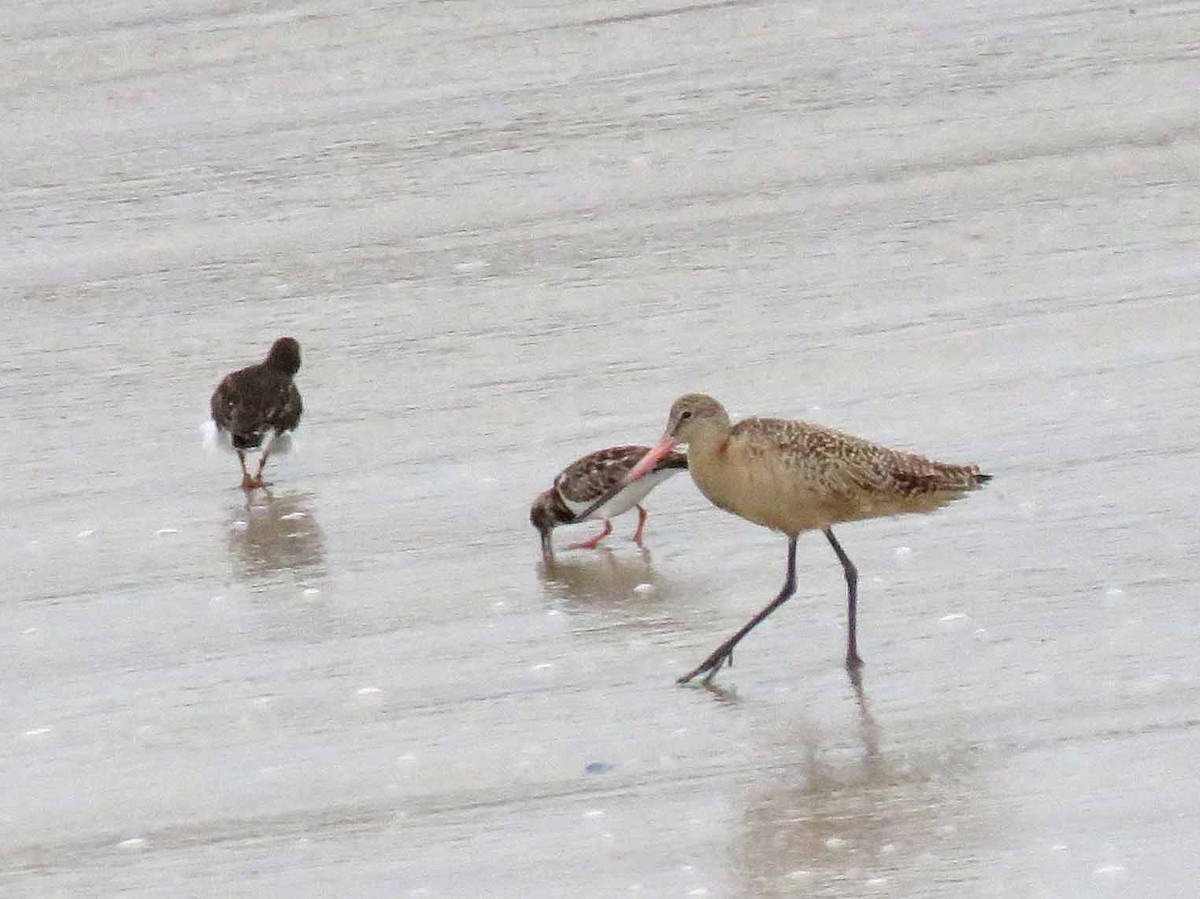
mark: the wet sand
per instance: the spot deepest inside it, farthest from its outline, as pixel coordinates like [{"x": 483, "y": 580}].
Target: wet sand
[{"x": 509, "y": 236}]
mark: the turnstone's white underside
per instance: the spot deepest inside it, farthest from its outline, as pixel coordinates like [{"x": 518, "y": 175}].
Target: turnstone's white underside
[{"x": 625, "y": 500}]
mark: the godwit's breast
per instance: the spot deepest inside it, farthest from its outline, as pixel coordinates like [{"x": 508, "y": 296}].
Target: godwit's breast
[{"x": 756, "y": 472}]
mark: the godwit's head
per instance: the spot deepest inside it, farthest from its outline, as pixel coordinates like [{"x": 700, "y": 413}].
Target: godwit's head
[
  {"x": 695, "y": 419},
  {"x": 284, "y": 356},
  {"x": 542, "y": 516}
]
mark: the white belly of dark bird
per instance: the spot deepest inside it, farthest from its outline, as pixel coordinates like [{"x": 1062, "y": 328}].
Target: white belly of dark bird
[{"x": 625, "y": 499}]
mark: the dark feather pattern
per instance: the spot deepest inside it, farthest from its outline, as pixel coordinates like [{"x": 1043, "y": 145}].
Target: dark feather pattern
[
  {"x": 598, "y": 476},
  {"x": 253, "y": 401},
  {"x": 598, "y": 473}
]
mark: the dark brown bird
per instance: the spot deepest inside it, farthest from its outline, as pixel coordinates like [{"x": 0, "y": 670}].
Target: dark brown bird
[
  {"x": 592, "y": 477},
  {"x": 792, "y": 476},
  {"x": 256, "y": 406}
]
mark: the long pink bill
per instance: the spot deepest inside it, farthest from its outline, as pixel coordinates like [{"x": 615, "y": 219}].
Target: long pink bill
[{"x": 652, "y": 458}]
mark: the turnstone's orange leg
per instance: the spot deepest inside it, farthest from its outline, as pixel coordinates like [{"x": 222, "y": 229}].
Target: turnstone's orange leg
[
  {"x": 248, "y": 483},
  {"x": 637, "y": 535},
  {"x": 262, "y": 463},
  {"x": 595, "y": 541}
]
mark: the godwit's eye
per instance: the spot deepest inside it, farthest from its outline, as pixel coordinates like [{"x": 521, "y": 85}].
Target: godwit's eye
[{"x": 685, "y": 414}]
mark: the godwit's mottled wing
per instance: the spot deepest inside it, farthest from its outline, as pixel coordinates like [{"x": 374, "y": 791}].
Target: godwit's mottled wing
[{"x": 863, "y": 477}]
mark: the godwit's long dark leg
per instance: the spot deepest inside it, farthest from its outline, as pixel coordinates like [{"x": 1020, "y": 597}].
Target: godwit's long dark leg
[
  {"x": 637, "y": 535},
  {"x": 852, "y": 658},
  {"x": 595, "y": 541},
  {"x": 724, "y": 652}
]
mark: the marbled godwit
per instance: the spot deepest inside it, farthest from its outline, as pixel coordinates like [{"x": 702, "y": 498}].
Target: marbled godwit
[
  {"x": 259, "y": 402},
  {"x": 596, "y": 476},
  {"x": 792, "y": 477}
]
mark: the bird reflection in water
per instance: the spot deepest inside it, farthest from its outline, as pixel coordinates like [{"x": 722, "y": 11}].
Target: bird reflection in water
[
  {"x": 627, "y": 589},
  {"x": 274, "y": 535},
  {"x": 839, "y": 818}
]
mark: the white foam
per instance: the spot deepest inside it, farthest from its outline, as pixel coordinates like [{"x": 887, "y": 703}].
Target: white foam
[
  {"x": 218, "y": 440},
  {"x": 282, "y": 444},
  {"x": 215, "y": 440},
  {"x": 644, "y": 589}
]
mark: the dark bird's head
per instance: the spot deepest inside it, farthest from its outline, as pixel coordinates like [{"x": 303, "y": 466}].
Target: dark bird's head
[
  {"x": 544, "y": 517},
  {"x": 284, "y": 356}
]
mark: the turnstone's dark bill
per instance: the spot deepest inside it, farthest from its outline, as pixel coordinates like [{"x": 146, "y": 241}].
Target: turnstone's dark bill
[
  {"x": 256, "y": 406},
  {"x": 587, "y": 480}
]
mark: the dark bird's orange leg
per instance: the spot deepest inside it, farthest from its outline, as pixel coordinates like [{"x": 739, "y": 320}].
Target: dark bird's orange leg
[
  {"x": 595, "y": 541},
  {"x": 637, "y": 535},
  {"x": 248, "y": 483},
  {"x": 262, "y": 461}
]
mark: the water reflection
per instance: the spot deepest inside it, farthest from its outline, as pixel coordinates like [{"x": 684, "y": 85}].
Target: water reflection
[
  {"x": 850, "y": 820},
  {"x": 868, "y": 730},
  {"x": 270, "y": 535},
  {"x": 625, "y": 589}
]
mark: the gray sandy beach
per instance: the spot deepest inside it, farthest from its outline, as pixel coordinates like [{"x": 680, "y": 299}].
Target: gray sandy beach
[{"x": 506, "y": 235}]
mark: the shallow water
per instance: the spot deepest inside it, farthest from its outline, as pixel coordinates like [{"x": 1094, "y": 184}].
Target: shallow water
[{"x": 506, "y": 236}]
